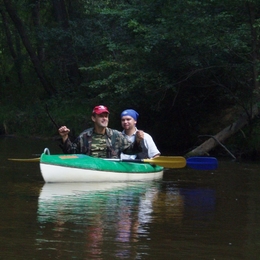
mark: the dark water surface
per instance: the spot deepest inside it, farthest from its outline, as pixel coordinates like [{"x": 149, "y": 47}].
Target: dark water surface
[{"x": 189, "y": 214}]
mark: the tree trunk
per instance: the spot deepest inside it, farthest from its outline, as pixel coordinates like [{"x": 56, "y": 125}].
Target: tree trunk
[
  {"x": 255, "y": 45},
  {"x": 14, "y": 54},
  {"x": 37, "y": 22},
  {"x": 27, "y": 44},
  {"x": 70, "y": 71},
  {"x": 220, "y": 137}
]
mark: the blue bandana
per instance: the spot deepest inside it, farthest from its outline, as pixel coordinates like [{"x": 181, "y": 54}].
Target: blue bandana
[{"x": 130, "y": 112}]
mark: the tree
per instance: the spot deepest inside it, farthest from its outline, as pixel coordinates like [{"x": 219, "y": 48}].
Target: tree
[
  {"x": 27, "y": 44},
  {"x": 68, "y": 57}
]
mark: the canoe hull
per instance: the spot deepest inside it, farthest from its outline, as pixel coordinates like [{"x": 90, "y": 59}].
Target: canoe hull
[
  {"x": 80, "y": 168},
  {"x": 56, "y": 173}
]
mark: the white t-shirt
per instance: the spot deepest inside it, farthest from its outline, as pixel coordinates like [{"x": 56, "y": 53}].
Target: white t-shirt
[{"x": 148, "y": 142}]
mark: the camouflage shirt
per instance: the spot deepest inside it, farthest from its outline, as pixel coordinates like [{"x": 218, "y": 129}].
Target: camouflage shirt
[
  {"x": 99, "y": 145},
  {"x": 109, "y": 145}
]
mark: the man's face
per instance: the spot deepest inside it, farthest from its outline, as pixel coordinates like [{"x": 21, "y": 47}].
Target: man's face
[
  {"x": 101, "y": 120},
  {"x": 128, "y": 122}
]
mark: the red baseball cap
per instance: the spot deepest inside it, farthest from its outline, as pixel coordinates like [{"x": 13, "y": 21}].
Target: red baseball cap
[{"x": 100, "y": 109}]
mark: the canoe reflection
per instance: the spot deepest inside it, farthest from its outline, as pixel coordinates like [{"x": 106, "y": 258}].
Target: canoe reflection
[
  {"x": 104, "y": 216},
  {"x": 70, "y": 200},
  {"x": 54, "y": 190}
]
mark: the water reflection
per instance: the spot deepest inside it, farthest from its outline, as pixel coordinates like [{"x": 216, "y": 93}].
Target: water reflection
[
  {"x": 115, "y": 218},
  {"x": 102, "y": 212},
  {"x": 199, "y": 204}
]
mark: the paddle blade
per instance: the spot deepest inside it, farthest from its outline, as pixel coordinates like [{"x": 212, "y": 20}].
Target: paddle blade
[
  {"x": 25, "y": 160},
  {"x": 202, "y": 163},
  {"x": 168, "y": 161}
]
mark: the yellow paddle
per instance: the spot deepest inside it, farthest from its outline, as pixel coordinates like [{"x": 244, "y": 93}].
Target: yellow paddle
[
  {"x": 167, "y": 161},
  {"x": 25, "y": 160},
  {"x": 164, "y": 161}
]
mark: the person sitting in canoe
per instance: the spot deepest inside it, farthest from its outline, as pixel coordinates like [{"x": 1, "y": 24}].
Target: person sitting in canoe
[
  {"x": 100, "y": 141},
  {"x": 149, "y": 149}
]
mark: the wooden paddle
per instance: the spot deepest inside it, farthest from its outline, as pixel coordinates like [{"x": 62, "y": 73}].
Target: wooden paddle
[{"x": 198, "y": 163}]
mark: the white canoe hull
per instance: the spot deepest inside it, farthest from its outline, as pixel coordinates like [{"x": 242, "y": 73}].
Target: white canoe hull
[{"x": 58, "y": 173}]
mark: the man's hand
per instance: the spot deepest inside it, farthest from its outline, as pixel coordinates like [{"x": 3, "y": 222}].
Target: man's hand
[
  {"x": 64, "y": 132},
  {"x": 139, "y": 136}
]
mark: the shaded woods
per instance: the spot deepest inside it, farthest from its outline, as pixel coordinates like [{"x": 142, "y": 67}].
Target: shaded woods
[{"x": 190, "y": 68}]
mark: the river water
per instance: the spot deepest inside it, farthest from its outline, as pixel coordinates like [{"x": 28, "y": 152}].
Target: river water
[{"x": 189, "y": 214}]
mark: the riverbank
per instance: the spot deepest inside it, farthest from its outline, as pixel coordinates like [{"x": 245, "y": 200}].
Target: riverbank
[{"x": 40, "y": 121}]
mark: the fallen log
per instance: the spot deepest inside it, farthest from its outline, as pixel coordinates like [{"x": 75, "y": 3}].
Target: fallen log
[{"x": 219, "y": 138}]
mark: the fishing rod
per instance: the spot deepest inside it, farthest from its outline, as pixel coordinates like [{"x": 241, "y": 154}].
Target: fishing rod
[
  {"x": 71, "y": 134},
  {"x": 52, "y": 120}
]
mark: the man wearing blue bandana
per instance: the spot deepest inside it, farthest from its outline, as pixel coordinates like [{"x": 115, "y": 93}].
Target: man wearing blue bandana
[{"x": 128, "y": 121}]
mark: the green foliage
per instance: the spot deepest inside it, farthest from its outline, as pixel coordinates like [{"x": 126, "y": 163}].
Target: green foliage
[{"x": 176, "y": 64}]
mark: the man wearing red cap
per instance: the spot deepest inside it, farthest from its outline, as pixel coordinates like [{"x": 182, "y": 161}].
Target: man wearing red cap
[{"x": 100, "y": 141}]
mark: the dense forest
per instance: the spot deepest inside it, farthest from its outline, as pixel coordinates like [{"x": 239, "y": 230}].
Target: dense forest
[{"x": 190, "y": 68}]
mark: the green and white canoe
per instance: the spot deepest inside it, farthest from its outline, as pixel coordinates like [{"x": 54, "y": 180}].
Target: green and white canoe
[{"x": 83, "y": 168}]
